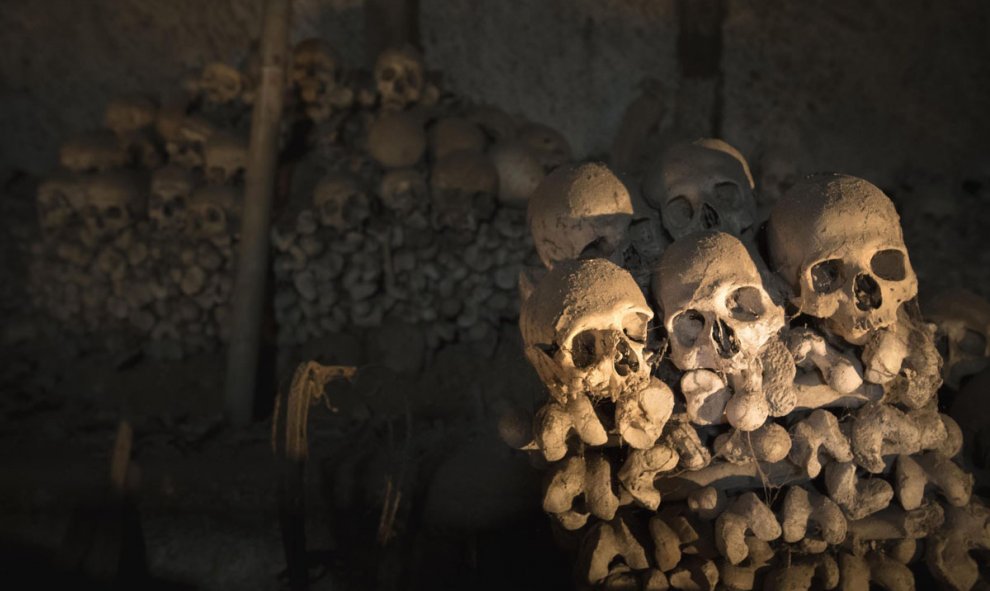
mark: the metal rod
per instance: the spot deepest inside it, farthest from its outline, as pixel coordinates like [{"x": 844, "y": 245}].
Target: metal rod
[{"x": 249, "y": 287}]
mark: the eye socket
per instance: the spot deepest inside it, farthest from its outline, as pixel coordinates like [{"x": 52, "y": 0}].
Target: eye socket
[
  {"x": 635, "y": 327},
  {"x": 745, "y": 304},
  {"x": 584, "y": 349},
  {"x": 678, "y": 211},
  {"x": 687, "y": 326},
  {"x": 826, "y": 276},
  {"x": 889, "y": 264},
  {"x": 727, "y": 193}
]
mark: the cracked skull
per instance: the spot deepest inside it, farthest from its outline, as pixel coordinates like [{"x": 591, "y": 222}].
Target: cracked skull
[
  {"x": 340, "y": 202},
  {"x": 585, "y": 329},
  {"x": 400, "y": 77},
  {"x": 716, "y": 309},
  {"x": 171, "y": 188},
  {"x": 580, "y": 211},
  {"x": 837, "y": 242},
  {"x": 703, "y": 185}
]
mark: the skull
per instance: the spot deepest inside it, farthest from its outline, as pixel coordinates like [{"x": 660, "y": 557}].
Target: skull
[
  {"x": 225, "y": 156},
  {"x": 187, "y": 146},
  {"x": 551, "y": 148},
  {"x": 519, "y": 172},
  {"x": 704, "y": 185},
  {"x": 340, "y": 202},
  {"x": 404, "y": 191},
  {"x": 127, "y": 115},
  {"x": 93, "y": 151},
  {"x": 451, "y": 134},
  {"x": 963, "y": 320},
  {"x": 579, "y": 211},
  {"x": 584, "y": 329},
  {"x": 463, "y": 189},
  {"x": 60, "y": 200},
  {"x": 221, "y": 84},
  {"x": 400, "y": 77},
  {"x": 716, "y": 310},
  {"x": 314, "y": 69},
  {"x": 836, "y": 240},
  {"x": 171, "y": 189},
  {"x": 113, "y": 202},
  {"x": 396, "y": 140},
  {"x": 212, "y": 211}
]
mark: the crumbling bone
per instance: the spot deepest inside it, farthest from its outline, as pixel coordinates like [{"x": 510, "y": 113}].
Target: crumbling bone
[
  {"x": 857, "y": 573},
  {"x": 879, "y": 430},
  {"x": 837, "y": 242},
  {"x": 703, "y": 185},
  {"x": 813, "y": 437},
  {"x": 857, "y": 497},
  {"x": 638, "y": 473},
  {"x": 706, "y": 394},
  {"x": 555, "y": 422},
  {"x": 920, "y": 373},
  {"x": 579, "y": 211},
  {"x": 914, "y": 473},
  {"x": 842, "y": 373},
  {"x": 588, "y": 475},
  {"x": 817, "y": 571},
  {"x": 769, "y": 443},
  {"x": 744, "y": 515},
  {"x": 742, "y": 576},
  {"x": 707, "y": 502},
  {"x": 641, "y": 415},
  {"x": 894, "y": 523},
  {"x": 679, "y": 434},
  {"x": 804, "y": 506},
  {"x": 607, "y": 542},
  {"x": 948, "y": 550}
]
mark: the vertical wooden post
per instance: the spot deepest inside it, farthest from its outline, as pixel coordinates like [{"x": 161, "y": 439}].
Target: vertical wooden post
[{"x": 252, "y": 265}]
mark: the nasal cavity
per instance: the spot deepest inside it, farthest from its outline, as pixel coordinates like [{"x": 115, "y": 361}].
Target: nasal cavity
[
  {"x": 709, "y": 217},
  {"x": 626, "y": 361},
  {"x": 866, "y": 290},
  {"x": 725, "y": 339}
]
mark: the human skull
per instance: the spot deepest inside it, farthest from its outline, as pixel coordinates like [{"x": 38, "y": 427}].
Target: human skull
[
  {"x": 963, "y": 320},
  {"x": 716, "y": 310},
  {"x": 548, "y": 144},
  {"x": 60, "y": 199},
  {"x": 584, "y": 330},
  {"x": 400, "y": 77},
  {"x": 212, "y": 211},
  {"x": 113, "y": 202},
  {"x": 314, "y": 69},
  {"x": 451, "y": 134},
  {"x": 837, "y": 241},
  {"x": 404, "y": 191},
  {"x": 703, "y": 185},
  {"x": 225, "y": 156},
  {"x": 579, "y": 211},
  {"x": 463, "y": 186},
  {"x": 126, "y": 115},
  {"x": 221, "y": 84},
  {"x": 187, "y": 146},
  {"x": 519, "y": 172},
  {"x": 171, "y": 190},
  {"x": 340, "y": 202},
  {"x": 92, "y": 151},
  {"x": 396, "y": 140}
]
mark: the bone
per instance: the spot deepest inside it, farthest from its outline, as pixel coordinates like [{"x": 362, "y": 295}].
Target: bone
[
  {"x": 880, "y": 430},
  {"x": 707, "y": 502},
  {"x": 818, "y": 571},
  {"x": 803, "y": 507},
  {"x": 397, "y": 140},
  {"x": 746, "y": 514},
  {"x": 914, "y": 473},
  {"x": 555, "y": 422},
  {"x": 638, "y": 473},
  {"x": 588, "y": 476},
  {"x": 769, "y": 443},
  {"x": 815, "y": 436},
  {"x": 706, "y": 395},
  {"x": 605, "y": 543},
  {"x": 843, "y": 374},
  {"x": 884, "y": 353},
  {"x": 684, "y": 439},
  {"x": 857, "y": 573},
  {"x": 948, "y": 550},
  {"x": 857, "y": 497},
  {"x": 742, "y": 577},
  {"x": 641, "y": 416}
]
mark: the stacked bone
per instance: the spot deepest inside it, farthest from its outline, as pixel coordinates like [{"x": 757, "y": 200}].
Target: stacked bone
[
  {"x": 410, "y": 205},
  {"x": 789, "y": 450},
  {"x": 138, "y": 224}
]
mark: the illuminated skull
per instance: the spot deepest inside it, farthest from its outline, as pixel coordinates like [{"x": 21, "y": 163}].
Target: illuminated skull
[
  {"x": 837, "y": 242},
  {"x": 221, "y": 84},
  {"x": 60, "y": 199},
  {"x": 585, "y": 327},
  {"x": 113, "y": 202},
  {"x": 704, "y": 185},
  {"x": 171, "y": 190},
  {"x": 212, "y": 211},
  {"x": 340, "y": 202},
  {"x": 400, "y": 76}
]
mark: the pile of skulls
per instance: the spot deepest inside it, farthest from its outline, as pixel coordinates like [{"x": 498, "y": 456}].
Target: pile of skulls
[
  {"x": 408, "y": 203},
  {"x": 759, "y": 425},
  {"x": 138, "y": 225}
]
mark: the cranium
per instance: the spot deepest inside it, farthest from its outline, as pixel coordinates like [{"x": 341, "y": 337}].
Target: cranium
[
  {"x": 314, "y": 69},
  {"x": 463, "y": 186},
  {"x": 396, "y": 140},
  {"x": 704, "y": 185},
  {"x": 212, "y": 211},
  {"x": 519, "y": 172},
  {"x": 60, "y": 200},
  {"x": 400, "y": 77},
  {"x": 225, "y": 156},
  {"x": 113, "y": 202},
  {"x": 186, "y": 147},
  {"x": 126, "y": 115},
  {"x": 837, "y": 242},
  {"x": 404, "y": 191},
  {"x": 451, "y": 134},
  {"x": 579, "y": 211},
  {"x": 221, "y": 84},
  {"x": 963, "y": 320},
  {"x": 716, "y": 310},
  {"x": 549, "y": 145},
  {"x": 171, "y": 189},
  {"x": 340, "y": 202},
  {"x": 92, "y": 151},
  {"x": 584, "y": 328}
]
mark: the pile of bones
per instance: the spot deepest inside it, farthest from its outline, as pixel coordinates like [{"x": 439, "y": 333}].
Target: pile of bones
[
  {"x": 406, "y": 201},
  {"x": 750, "y": 406}
]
